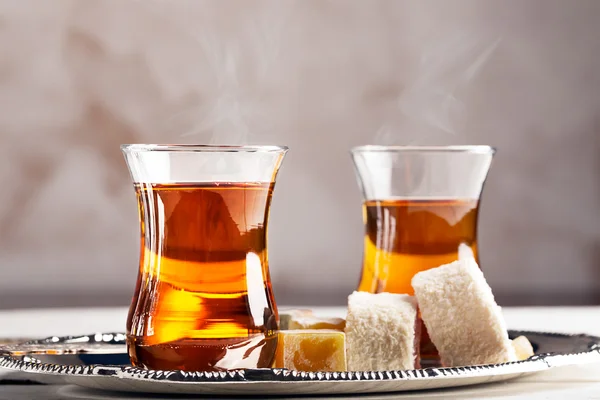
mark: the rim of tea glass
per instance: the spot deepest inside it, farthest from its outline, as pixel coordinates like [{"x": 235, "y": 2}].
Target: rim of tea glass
[
  {"x": 203, "y": 148},
  {"x": 473, "y": 149}
]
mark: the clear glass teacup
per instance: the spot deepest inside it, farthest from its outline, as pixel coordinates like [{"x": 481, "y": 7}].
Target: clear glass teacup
[
  {"x": 203, "y": 299},
  {"x": 420, "y": 211}
]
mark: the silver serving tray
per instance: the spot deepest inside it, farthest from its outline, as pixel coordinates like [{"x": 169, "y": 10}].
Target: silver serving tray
[{"x": 100, "y": 361}]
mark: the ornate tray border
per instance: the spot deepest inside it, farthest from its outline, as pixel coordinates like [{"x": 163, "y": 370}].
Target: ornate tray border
[{"x": 584, "y": 348}]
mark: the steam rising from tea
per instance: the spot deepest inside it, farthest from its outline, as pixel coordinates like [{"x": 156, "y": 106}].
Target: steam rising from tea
[
  {"x": 429, "y": 102},
  {"x": 241, "y": 65}
]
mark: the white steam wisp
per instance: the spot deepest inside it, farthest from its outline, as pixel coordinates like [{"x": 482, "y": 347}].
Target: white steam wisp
[{"x": 430, "y": 99}]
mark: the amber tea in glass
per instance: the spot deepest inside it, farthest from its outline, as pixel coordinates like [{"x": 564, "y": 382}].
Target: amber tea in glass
[
  {"x": 420, "y": 211},
  {"x": 404, "y": 236},
  {"x": 203, "y": 299}
]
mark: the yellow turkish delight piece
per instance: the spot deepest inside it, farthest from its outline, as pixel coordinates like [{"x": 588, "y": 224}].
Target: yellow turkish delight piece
[
  {"x": 312, "y": 322},
  {"x": 311, "y": 350},
  {"x": 522, "y": 347},
  {"x": 286, "y": 316}
]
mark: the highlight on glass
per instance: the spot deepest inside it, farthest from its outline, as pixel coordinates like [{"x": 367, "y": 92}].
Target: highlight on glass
[{"x": 203, "y": 299}]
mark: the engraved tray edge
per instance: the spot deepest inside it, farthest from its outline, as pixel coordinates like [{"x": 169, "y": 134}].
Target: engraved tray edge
[{"x": 588, "y": 347}]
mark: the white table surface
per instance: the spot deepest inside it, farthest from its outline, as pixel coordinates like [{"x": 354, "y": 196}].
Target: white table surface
[{"x": 581, "y": 382}]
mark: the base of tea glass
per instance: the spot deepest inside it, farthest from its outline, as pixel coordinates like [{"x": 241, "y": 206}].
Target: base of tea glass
[
  {"x": 420, "y": 210},
  {"x": 203, "y": 299}
]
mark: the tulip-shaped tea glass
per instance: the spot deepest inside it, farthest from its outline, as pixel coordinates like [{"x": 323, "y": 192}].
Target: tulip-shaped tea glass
[
  {"x": 203, "y": 299},
  {"x": 420, "y": 210}
]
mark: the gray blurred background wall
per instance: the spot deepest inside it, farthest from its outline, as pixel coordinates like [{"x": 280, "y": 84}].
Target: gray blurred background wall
[{"x": 78, "y": 78}]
